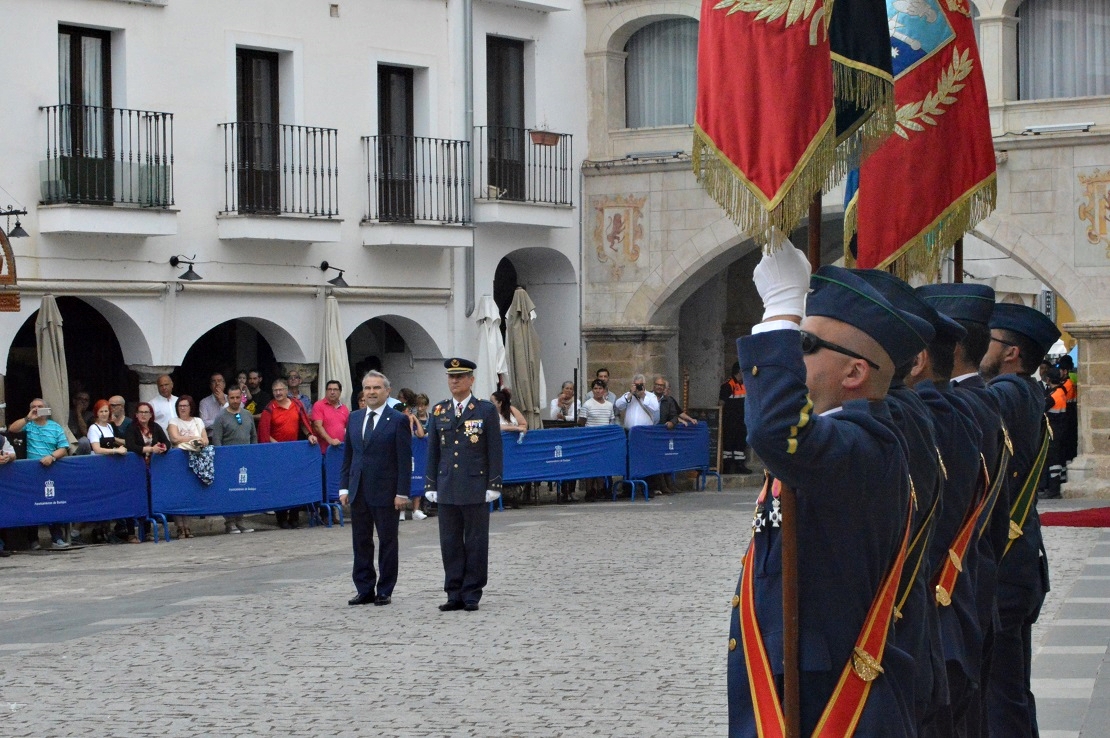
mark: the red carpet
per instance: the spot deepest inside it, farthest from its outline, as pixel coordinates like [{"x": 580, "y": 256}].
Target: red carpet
[{"x": 1096, "y": 517}]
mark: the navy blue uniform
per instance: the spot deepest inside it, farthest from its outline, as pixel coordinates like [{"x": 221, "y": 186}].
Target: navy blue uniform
[
  {"x": 1022, "y": 572},
  {"x": 917, "y": 631},
  {"x": 464, "y": 460},
  {"x": 851, "y": 478},
  {"x": 376, "y": 468},
  {"x": 960, "y": 440}
]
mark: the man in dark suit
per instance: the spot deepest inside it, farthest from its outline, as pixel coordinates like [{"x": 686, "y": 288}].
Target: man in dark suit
[
  {"x": 463, "y": 476},
  {"x": 376, "y": 475}
]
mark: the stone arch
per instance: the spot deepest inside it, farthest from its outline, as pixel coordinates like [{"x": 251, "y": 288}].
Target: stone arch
[
  {"x": 417, "y": 338},
  {"x": 612, "y": 36},
  {"x": 1045, "y": 262},
  {"x": 658, "y": 296},
  {"x": 285, "y": 346},
  {"x": 132, "y": 340}
]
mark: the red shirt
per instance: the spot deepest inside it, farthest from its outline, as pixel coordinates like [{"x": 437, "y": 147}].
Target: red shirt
[
  {"x": 334, "y": 420},
  {"x": 285, "y": 422}
]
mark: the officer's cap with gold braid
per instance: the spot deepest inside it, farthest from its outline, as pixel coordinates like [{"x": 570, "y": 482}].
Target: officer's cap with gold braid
[
  {"x": 459, "y": 366},
  {"x": 837, "y": 293},
  {"x": 1028, "y": 322},
  {"x": 971, "y": 302},
  {"x": 902, "y": 296}
]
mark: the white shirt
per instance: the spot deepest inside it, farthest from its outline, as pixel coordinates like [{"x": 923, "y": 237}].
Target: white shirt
[
  {"x": 570, "y": 415},
  {"x": 165, "y": 410},
  {"x": 637, "y": 411},
  {"x": 377, "y": 414},
  {"x": 96, "y": 432},
  {"x": 598, "y": 413},
  {"x": 210, "y": 409}
]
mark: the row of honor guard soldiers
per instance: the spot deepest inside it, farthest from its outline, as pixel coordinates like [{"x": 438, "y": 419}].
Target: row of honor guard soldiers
[{"x": 913, "y": 434}]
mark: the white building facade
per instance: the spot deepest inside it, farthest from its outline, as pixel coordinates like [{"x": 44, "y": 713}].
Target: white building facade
[{"x": 257, "y": 140}]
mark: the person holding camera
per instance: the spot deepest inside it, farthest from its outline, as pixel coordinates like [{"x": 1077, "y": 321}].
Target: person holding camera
[
  {"x": 47, "y": 442},
  {"x": 639, "y": 407}
]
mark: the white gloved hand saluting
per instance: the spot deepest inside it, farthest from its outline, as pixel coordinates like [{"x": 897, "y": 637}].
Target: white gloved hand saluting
[
  {"x": 782, "y": 279},
  {"x": 492, "y": 495},
  {"x": 430, "y": 495}
]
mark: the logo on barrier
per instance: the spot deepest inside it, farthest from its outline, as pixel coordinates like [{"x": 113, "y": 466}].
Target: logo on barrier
[
  {"x": 558, "y": 452},
  {"x": 670, "y": 445},
  {"x": 48, "y": 489},
  {"x": 242, "y": 475}
]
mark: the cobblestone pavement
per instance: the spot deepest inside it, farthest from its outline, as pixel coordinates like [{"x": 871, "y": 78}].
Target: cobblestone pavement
[{"x": 605, "y": 619}]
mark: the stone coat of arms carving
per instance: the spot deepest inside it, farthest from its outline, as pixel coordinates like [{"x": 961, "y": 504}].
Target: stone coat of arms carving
[{"x": 619, "y": 231}]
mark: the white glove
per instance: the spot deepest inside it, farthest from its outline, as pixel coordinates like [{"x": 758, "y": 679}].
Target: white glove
[
  {"x": 492, "y": 495},
  {"x": 430, "y": 495},
  {"x": 782, "y": 279}
]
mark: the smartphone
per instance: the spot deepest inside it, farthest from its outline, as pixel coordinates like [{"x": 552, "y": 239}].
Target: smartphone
[{"x": 44, "y": 412}]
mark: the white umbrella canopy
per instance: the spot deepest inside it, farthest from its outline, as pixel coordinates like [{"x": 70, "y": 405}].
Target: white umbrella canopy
[
  {"x": 491, "y": 349},
  {"x": 51, "y": 349},
  {"x": 334, "y": 363},
  {"x": 523, "y": 348}
]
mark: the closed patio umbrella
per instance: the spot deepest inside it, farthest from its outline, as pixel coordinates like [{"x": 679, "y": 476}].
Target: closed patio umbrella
[
  {"x": 51, "y": 349},
  {"x": 491, "y": 349},
  {"x": 523, "y": 349},
  {"x": 333, "y": 351}
]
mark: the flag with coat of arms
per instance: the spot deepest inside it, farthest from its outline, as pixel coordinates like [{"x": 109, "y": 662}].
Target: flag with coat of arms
[{"x": 935, "y": 178}]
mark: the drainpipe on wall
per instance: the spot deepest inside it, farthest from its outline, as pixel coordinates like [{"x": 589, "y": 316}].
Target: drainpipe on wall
[{"x": 468, "y": 94}]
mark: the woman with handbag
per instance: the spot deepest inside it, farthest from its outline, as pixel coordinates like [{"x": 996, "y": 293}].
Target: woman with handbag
[
  {"x": 103, "y": 441},
  {"x": 187, "y": 433}
]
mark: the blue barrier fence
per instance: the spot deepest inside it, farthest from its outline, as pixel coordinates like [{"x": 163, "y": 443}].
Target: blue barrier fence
[
  {"x": 253, "y": 478},
  {"x": 557, "y": 454},
  {"x": 76, "y": 488},
  {"x": 274, "y": 476}
]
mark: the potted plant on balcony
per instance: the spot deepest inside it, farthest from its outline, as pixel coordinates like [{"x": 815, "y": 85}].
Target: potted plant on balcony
[{"x": 543, "y": 137}]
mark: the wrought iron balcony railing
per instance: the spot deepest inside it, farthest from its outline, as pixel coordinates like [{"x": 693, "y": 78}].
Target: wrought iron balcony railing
[
  {"x": 412, "y": 179},
  {"x": 524, "y": 165},
  {"x": 107, "y": 156},
  {"x": 275, "y": 169}
]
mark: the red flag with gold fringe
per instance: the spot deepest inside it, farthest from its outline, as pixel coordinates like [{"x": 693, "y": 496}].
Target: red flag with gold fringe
[
  {"x": 764, "y": 132},
  {"x": 935, "y": 179}
]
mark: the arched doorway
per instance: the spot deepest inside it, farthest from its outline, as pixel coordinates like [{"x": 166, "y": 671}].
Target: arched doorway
[
  {"x": 94, "y": 358},
  {"x": 400, "y": 348},
  {"x": 549, "y": 277},
  {"x": 230, "y": 347}
]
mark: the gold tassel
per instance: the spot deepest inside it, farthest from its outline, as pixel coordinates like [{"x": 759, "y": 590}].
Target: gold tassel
[
  {"x": 727, "y": 186},
  {"x": 923, "y": 254},
  {"x": 874, "y": 94}
]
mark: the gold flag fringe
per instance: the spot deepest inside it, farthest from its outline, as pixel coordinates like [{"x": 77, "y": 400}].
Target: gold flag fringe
[
  {"x": 851, "y": 213},
  {"x": 923, "y": 254},
  {"x": 872, "y": 92},
  {"x": 745, "y": 204}
]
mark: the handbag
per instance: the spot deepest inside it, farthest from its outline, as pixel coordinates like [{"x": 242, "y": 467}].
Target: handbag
[{"x": 193, "y": 445}]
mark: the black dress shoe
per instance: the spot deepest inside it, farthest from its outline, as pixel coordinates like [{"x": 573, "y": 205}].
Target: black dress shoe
[
  {"x": 451, "y": 605},
  {"x": 471, "y": 607},
  {"x": 365, "y": 599},
  {"x": 379, "y": 601}
]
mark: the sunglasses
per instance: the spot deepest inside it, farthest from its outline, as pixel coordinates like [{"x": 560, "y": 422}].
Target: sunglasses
[
  {"x": 1003, "y": 341},
  {"x": 238, "y": 418},
  {"x": 811, "y": 344}
]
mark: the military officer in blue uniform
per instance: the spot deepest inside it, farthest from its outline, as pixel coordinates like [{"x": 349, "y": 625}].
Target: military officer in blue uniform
[
  {"x": 819, "y": 423},
  {"x": 960, "y": 439},
  {"x": 1020, "y": 338},
  {"x": 463, "y": 475},
  {"x": 971, "y": 305}
]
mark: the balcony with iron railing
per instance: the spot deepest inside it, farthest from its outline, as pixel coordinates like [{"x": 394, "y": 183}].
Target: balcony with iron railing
[
  {"x": 418, "y": 191},
  {"x": 524, "y": 176},
  {"x": 280, "y": 183},
  {"x": 107, "y": 171}
]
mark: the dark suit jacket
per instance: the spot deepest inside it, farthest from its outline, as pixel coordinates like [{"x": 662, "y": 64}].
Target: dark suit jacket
[
  {"x": 379, "y": 466},
  {"x": 464, "y": 454}
]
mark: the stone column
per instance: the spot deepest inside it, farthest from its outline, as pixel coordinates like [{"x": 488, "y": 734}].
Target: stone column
[
  {"x": 148, "y": 378},
  {"x": 1089, "y": 473},
  {"x": 998, "y": 51},
  {"x": 628, "y": 350}
]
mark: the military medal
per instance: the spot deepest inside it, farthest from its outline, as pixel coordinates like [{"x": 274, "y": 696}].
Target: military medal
[
  {"x": 474, "y": 439},
  {"x": 775, "y": 516}
]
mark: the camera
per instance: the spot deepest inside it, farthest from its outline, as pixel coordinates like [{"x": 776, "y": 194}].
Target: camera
[
  {"x": 639, "y": 387},
  {"x": 43, "y": 412}
]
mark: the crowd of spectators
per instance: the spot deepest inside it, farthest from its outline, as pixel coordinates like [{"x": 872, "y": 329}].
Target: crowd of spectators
[{"x": 250, "y": 412}]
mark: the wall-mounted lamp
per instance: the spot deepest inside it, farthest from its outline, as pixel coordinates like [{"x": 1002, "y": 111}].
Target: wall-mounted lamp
[
  {"x": 18, "y": 231},
  {"x": 189, "y": 275},
  {"x": 336, "y": 281},
  {"x": 1059, "y": 128}
]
